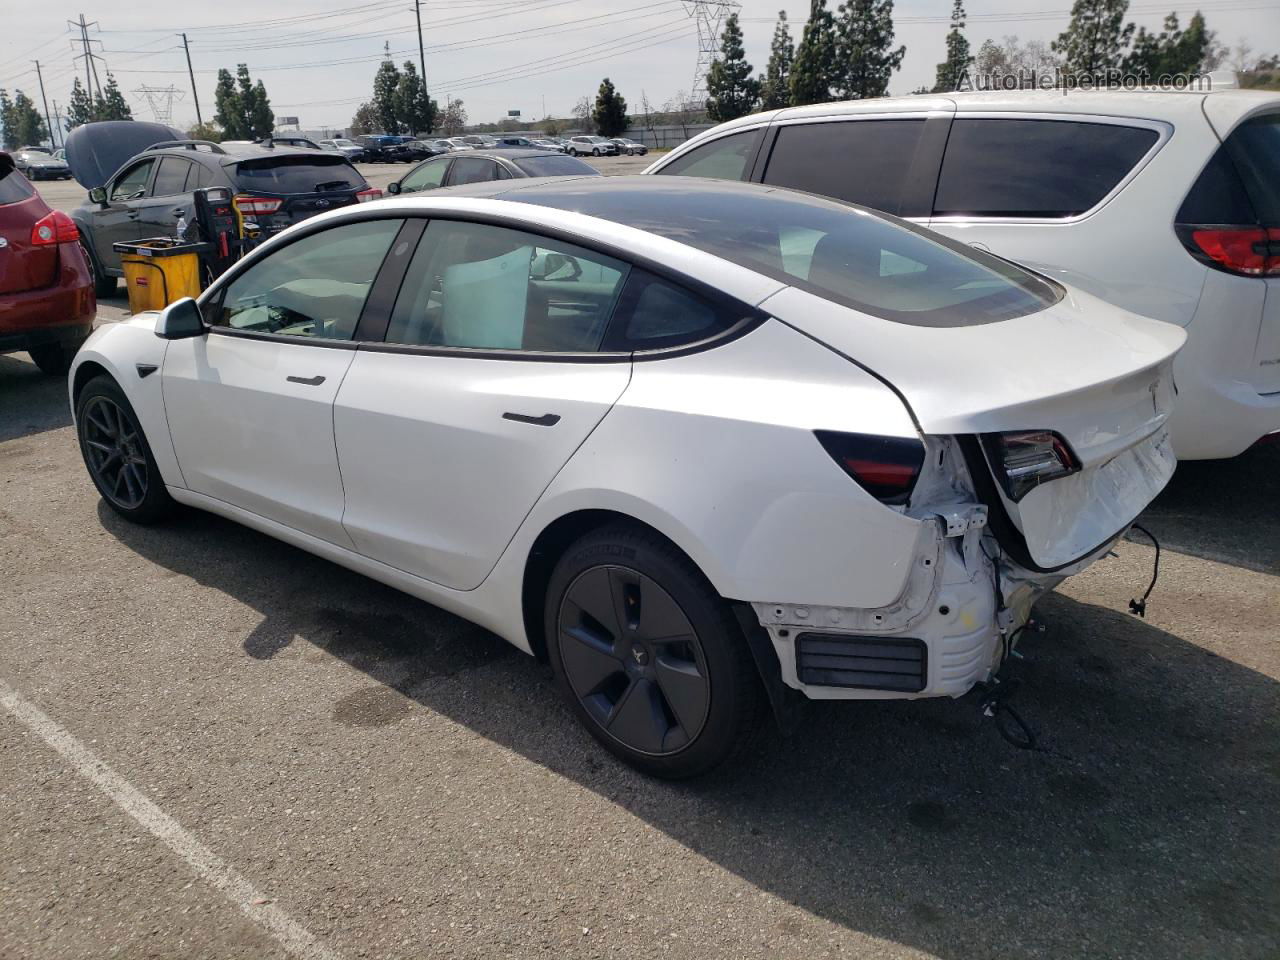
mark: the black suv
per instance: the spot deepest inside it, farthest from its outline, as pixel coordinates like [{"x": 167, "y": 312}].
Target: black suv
[{"x": 272, "y": 186}]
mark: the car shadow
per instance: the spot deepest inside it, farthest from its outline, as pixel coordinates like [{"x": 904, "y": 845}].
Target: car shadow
[
  {"x": 1223, "y": 510},
  {"x": 1143, "y": 826},
  {"x": 31, "y": 402}
]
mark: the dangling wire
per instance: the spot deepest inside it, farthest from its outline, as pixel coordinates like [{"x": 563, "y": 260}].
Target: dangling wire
[{"x": 1140, "y": 606}]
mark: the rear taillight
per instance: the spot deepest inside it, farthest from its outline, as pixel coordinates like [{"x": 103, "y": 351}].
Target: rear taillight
[
  {"x": 1024, "y": 460},
  {"x": 1248, "y": 251},
  {"x": 55, "y": 227},
  {"x": 886, "y": 467},
  {"x": 372, "y": 193},
  {"x": 256, "y": 206}
]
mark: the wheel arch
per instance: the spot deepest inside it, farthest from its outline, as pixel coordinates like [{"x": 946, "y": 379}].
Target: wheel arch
[{"x": 550, "y": 545}]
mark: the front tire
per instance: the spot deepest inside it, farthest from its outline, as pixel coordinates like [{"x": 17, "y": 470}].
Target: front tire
[
  {"x": 55, "y": 358},
  {"x": 117, "y": 454},
  {"x": 648, "y": 655}
]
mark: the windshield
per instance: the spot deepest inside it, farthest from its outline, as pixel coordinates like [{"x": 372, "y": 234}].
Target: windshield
[
  {"x": 873, "y": 263},
  {"x": 311, "y": 174}
]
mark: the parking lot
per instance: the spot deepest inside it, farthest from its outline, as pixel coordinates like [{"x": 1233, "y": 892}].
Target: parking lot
[{"x": 373, "y": 777}]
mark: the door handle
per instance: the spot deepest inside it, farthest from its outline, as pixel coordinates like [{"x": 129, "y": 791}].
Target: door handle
[
  {"x": 179, "y": 211},
  {"x": 306, "y": 381},
  {"x": 546, "y": 420}
]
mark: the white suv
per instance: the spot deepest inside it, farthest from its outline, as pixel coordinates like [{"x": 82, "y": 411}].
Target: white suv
[{"x": 1167, "y": 204}]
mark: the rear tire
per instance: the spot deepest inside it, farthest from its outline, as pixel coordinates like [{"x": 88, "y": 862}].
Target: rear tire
[
  {"x": 55, "y": 358},
  {"x": 103, "y": 286},
  {"x": 648, "y": 655},
  {"x": 117, "y": 454}
]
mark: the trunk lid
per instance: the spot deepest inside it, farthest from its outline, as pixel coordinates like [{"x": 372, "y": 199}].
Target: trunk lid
[
  {"x": 1098, "y": 376},
  {"x": 305, "y": 184},
  {"x": 22, "y": 265}
]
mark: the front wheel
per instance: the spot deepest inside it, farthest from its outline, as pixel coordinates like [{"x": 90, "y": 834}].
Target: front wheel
[
  {"x": 117, "y": 454},
  {"x": 595, "y": 152},
  {"x": 648, "y": 655},
  {"x": 55, "y": 358}
]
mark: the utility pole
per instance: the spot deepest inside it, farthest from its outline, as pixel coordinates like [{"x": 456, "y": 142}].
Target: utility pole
[
  {"x": 422, "y": 54},
  {"x": 192, "y": 74},
  {"x": 57, "y": 117},
  {"x": 48, "y": 122},
  {"x": 89, "y": 55}
]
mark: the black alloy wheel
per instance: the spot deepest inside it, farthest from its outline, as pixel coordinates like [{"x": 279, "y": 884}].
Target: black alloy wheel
[
  {"x": 649, "y": 657},
  {"x": 117, "y": 455},
  {"x": 633, "y": 660}
]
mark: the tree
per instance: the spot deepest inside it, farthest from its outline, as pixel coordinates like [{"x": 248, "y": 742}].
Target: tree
[
  {"x": 454, "y": 119},
  {"x": 112, "y": 105},
  {"x": 610, "y": 111},
  {"x": 864, "y": 55},
  {"x": 646, "y": 116},
  {"x": 1012, "y": 58},
  {"x": 775, "y": 91},
  {"x": 582, "y": 113},
  {"x": 7, "y": 125},
  {"x": 1171, "y": 52},
  {"x": 1095, "y": 39},
  {"x": 681, "y": 111},
  {"x": 385, "y": 84},
  {"x": 79, "y": 107},
  {"x": 815, "y": 63},
  {"x": 262, "y": 121},
  {"x": 227, "y": 109},
  {"x": 953, "y": 70},
  {"x": 365, "y": 119},
  {"x": 414, "y": 109},
  {"x": 731, "y": 90},
  {"x": 24, "y": 120},
  {"x": 205, "y": 131}
]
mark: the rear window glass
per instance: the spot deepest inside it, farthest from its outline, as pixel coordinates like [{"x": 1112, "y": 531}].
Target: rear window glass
[
  {"x": 881, "y": 266},
  {"x": 1218, "y": 195},
  {"x": 1255, "y": 148},
  {"x": 862, "y": 161},
  {"x": 1035, "y": 168},
  {"x": 559, "y": 165},
  {"x": 14, "y": 187},
  {"x": 722, "y": 159},
  {"x": 297, "y": 175}
]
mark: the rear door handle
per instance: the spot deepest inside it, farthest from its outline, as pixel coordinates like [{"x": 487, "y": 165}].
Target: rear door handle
[
  {"x": 179, "y": 211},
  {"x": 306, "y": 381},
  {"x": 546, "y": 420}
]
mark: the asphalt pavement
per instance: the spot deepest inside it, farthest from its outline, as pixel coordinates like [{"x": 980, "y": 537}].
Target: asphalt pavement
[{"x": 215, "y": 745}]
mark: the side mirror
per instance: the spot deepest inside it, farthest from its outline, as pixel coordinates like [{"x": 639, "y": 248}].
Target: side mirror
[
  {"x": 98, "y": 195},
  {"x": 393, "y": 188},
  {"x": 180, "y": 320}
]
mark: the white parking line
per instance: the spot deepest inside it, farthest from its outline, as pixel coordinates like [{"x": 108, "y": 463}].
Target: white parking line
[{"x": 291, "y": 935}]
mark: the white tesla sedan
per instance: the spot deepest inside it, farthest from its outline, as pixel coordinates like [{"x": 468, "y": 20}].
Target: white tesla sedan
[{"x": 694, "y": 442}]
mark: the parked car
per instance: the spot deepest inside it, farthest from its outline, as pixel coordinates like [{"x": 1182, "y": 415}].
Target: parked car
[
  {"x": 378, "y": 148},
  {"x": 1164, "y": 203},
  {"x": 478, "y": 166},
  {"x": 60, "y": 154},
  {"x": 415, "y": 151},
  {"x": 46, "y": 289},
  {"x": 549, "y": 143},
  {"x": 592, "y": 146},
  {"x": 37, "y": 163},
  {"x": 291, "y": 141},
  {"x": 632, "y": 148},
  {"x": 460, "y": 144},
  {"x": 522, "y": 143},
  {"x": 785, "y": 468},
  {"x": 151, "y": 191},
  {"x": 348, "y": 148},
  {"x": 479, "y": 141}
]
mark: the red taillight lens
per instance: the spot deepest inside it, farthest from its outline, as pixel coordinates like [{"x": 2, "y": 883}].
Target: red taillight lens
[
  {"x": 886, "y": 467},
  {"x": 372, "y": 193},
  {"x": 55, "y": 227},
  {"x": 1249, "y": 251},
  {"x": 1023, "y": 460},
  {"x": 256, "y": 206}
]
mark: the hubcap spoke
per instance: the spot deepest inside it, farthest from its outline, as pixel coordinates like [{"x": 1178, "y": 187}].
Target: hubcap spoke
[
  {"x": 685, "y": 690},
  {"x": 638, "y": 719},
  {"x": 592, "y": 593},
  {"x": 588, "y": 659},
  {"x": 112, "y": 443}
]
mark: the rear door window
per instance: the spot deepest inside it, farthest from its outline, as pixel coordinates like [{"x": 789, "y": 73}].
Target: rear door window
[
  {"x": 860, "y": 161},
  {"x": 655, "y": 313},
  {"x": 297, "y": 174},
  {"x": 171, "y": 178},
  {"x": 726, "y": 158},
  {"x": 472, "y": 170},
  {"x": 1035, "y": 168}
]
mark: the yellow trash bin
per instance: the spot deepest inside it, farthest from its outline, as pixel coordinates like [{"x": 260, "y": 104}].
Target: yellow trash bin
[{"x": 159, "y": 271}]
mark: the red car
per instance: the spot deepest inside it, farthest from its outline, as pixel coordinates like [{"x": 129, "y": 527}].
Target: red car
[{"x": 46, "y": 288}]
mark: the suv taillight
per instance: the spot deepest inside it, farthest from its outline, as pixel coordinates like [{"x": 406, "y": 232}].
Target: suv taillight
[
  {"x": 1248, "y": 251},
  {"x": 370, "y": 193},
  {"x": 1025, "y": 459},
  {"x": 256, "y": 206},
  {"x": 885, "y": 467},
  {"x": 55, "y": 227}
]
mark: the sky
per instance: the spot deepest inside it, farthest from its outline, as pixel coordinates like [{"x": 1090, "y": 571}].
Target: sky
[{"x": 317, "y": 58}]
